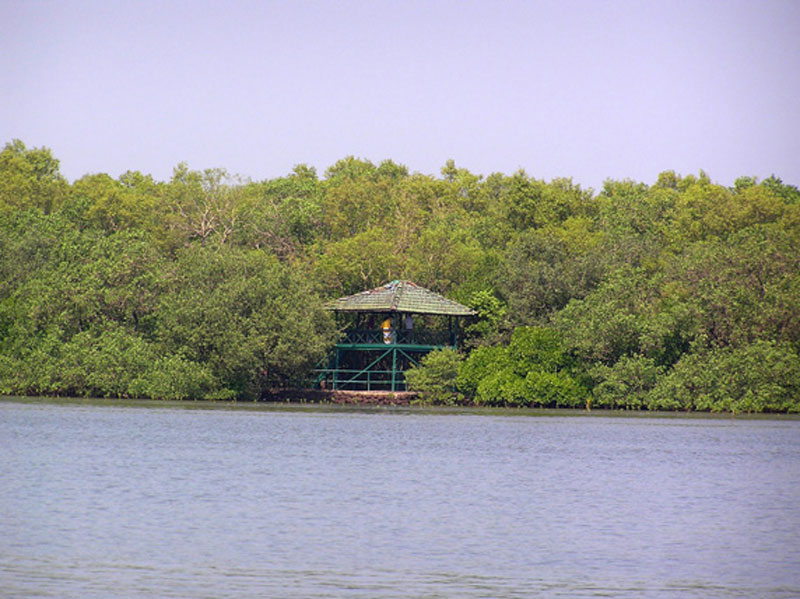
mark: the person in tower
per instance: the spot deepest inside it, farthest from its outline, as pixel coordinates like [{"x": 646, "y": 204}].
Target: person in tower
[{"x": 386, "y": 325}]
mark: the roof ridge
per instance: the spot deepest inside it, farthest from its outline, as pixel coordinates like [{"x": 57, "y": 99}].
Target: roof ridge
[
  {"x": 398, "y": 292},
  {"x": 400, "y": 296}
]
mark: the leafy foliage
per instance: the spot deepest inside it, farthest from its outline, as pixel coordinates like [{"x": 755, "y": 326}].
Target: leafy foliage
[
  {"x": 683, "y": 294},
  {"x": 627, "y": 383},
  {"x": 87, "y": 312},
  {"x": 435, "y": 377},
  {"x": 534, "y": 369},
  {"x": 29, "y": 178},
  {"x": 250, "y": 319},
  {"x": 763, "y": 376}
]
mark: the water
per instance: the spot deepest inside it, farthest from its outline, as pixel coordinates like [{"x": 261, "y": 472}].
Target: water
[{"x": 99, "y": 501}]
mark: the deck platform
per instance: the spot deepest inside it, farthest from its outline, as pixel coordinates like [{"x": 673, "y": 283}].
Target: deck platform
[{"x": 343, "y": 397}]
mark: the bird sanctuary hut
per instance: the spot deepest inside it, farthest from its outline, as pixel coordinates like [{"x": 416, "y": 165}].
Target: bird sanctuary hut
[{"x": 385, "y": 331}]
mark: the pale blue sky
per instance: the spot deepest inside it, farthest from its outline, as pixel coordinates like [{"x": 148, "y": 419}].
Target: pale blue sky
[{"x": 584, "y": 89}]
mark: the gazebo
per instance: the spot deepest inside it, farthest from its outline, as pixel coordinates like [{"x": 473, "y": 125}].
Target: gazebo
[{"x": 385, "y": 331}]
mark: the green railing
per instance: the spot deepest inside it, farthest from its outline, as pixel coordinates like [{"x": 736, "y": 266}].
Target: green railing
[
  {"x": 399, "y": 337},
  {"x": 361, "y": 380}
]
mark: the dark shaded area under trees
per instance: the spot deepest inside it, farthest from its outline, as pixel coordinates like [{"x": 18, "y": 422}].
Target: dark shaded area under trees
[{"x": 683, "y": 294}]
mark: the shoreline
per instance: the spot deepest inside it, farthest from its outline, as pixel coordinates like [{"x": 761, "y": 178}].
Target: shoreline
[{"x": 377, "y": 407}]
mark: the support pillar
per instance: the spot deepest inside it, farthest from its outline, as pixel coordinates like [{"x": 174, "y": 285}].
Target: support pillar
[
  {"x": 394, "y": 368},
  {"x": 336, "y": 371}
]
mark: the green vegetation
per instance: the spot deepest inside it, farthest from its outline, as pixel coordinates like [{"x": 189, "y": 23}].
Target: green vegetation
[{"x": 681, "y": 295}]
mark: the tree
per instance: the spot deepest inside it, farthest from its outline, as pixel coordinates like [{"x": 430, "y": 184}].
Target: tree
[
  {"x": 351, "y": 168},
  {"x": 204, "y": 205},
  {"x": 132, "y": 201},
  {"x": 30, "y": 178},
  {"x": 356, "y": 263},
  {"x": 546, "y": 268},
  {"x": 283, "y": 215},
  {"x": 76, "y": 315},
  {"x": 763, "y": 376},
  {"x": 253, "y": 321},
  {"x": 635, "y": 221},
  {"x": 443, "y": 256},
  {"x": 435, "y": 377},
  {"x": 534, "y": 369},
  {"x": 352, "y": 205},
  {"x": 744, "y": 288},
  {"x": 704, "y": 210},
  {"x": 627, "y": 383},
  {"x": 491, "y": 316},
  {"x": 604, "y": 326}
]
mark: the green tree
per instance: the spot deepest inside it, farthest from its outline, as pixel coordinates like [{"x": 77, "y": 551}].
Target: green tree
[
  {"x": 604, "y": 326},
  {"x": 203, "y": 206},
  {"x": 133, "y": 201},
  {"x": 706, "y": 211},
  {"x": 30, "y": 178},
  {"x": 744, "y": 288},
  {"x": 534, "y": 369},
  {"x": 487, "y": 328},
  {"x": 443, "y": 256},
  {"x": 763, "y": 376},
  {"x": 253, "y": 321},
  {"x": 546, "y": 268},
  {"x": 283, "y": 215},
  {"x": 351, "y": 168},
  {"x": 356, "y": 263},
  {"x": 635, "y": 221},
  {"x": 353, "y": 205},
  {"x": 627, "y": 383},
  {"x": 435, "y": 377},
  {"x": 77, "y": 312}
]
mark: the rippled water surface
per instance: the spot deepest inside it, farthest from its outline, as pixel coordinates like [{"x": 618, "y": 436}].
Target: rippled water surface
[{"x": 99, "y": 501}]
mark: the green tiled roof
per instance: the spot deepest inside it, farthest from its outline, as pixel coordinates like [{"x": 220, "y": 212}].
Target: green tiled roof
[{"x": 399, "y": 296}]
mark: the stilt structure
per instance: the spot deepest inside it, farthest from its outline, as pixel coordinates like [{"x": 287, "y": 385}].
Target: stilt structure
[{"x": 387, "y": 330}]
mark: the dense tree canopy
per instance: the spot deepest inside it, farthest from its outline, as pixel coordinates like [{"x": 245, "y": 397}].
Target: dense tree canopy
[{"x": 683, "y": 294}]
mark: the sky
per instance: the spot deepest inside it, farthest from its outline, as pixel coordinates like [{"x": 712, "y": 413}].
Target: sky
[{"x": 591, "y": 90}]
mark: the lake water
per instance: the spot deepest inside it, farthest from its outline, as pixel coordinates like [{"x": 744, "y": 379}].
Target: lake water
[{"x": 99, "y": 501}]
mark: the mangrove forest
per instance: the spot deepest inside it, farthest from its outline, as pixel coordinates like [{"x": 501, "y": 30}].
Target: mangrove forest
[{"x": 676, "y": 294}]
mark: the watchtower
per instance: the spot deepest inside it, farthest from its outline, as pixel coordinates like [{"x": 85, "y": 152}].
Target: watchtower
[{"x": 385, "y": 331}]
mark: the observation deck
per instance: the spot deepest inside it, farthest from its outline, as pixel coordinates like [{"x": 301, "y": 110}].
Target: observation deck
[{"x": 385, "y": 331}]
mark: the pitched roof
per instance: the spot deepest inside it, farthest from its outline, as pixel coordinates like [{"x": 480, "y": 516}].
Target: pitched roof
[{"x": 399, "y": 296}]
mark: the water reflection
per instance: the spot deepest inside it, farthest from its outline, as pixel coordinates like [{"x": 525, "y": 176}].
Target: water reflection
[{"x": 102, "y": 501}]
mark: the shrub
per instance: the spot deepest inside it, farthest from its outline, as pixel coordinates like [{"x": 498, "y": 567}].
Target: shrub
[
  {"x": 534, "y": 369},
  {"x": 627, "y": 383},
  {"x": 480, "y": 363},
  {"x": 762, "y": 376},
  {"x": 175, "y": 377},
  {"x": 435, "y": 377}
]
